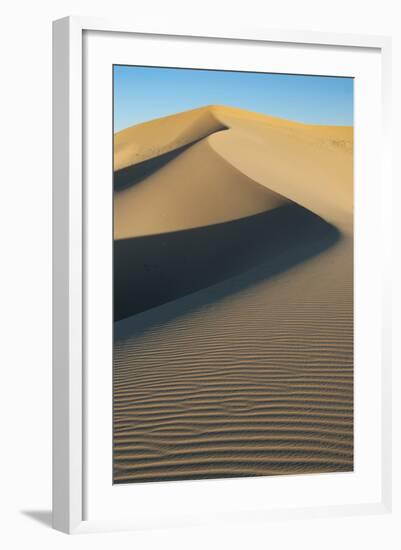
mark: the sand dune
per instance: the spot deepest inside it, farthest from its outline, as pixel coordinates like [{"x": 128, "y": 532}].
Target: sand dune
[
  {"x": 195, "y": 189},
  {"x": 233, "y": 279},
  {"x": 153, "y": 138},
  {"x": 240, "y": 154},
  {"x": 167, "y": 266}
]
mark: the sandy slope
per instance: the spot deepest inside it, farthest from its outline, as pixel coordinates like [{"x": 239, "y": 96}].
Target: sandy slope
[
  {"x": 138, "y": 143},
  {"x": 244, "y": 233},
  {"x": 197, "y": 188}
]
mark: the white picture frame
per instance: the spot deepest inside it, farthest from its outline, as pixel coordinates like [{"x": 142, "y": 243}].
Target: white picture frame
[{"x": 71, "y": 253}]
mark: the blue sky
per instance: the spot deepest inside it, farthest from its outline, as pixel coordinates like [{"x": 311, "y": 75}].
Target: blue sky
[{"x": 144, "y": 93}]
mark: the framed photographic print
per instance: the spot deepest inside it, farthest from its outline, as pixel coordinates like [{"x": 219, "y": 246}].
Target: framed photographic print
[{"x": 220, "y": 291}]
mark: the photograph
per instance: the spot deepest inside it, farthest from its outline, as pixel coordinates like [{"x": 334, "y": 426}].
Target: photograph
[{"x": 233, "y": 298}]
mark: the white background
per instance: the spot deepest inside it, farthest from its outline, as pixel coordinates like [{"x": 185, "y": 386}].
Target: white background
[{"x": 25, "y": 401}]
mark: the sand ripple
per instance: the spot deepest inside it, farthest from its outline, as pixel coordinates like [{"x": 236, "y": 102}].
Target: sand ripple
[{"x": 258, "y": 383}]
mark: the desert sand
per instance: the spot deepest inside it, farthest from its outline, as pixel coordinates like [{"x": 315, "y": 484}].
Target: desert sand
[{"x": 233, "y": 297}]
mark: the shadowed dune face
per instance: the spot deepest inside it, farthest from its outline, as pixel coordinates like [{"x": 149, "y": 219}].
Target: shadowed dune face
[
  {"x": 233, "y": 297},
  {"x": 156, "y": 137},
  {"x": 135, "y": 173},
  {"x": 154, "y": 269}
]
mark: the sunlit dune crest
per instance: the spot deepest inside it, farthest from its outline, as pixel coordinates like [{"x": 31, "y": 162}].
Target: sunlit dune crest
[
  {"x": 138, "y": 143},
  {"x": 232, "y": 156}
]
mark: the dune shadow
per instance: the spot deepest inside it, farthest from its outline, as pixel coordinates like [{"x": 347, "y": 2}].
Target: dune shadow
[
  {"x": 137, "y": 172},
  {"x": 152, "y": 270},
  {"x": 131, "y": 175}
]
